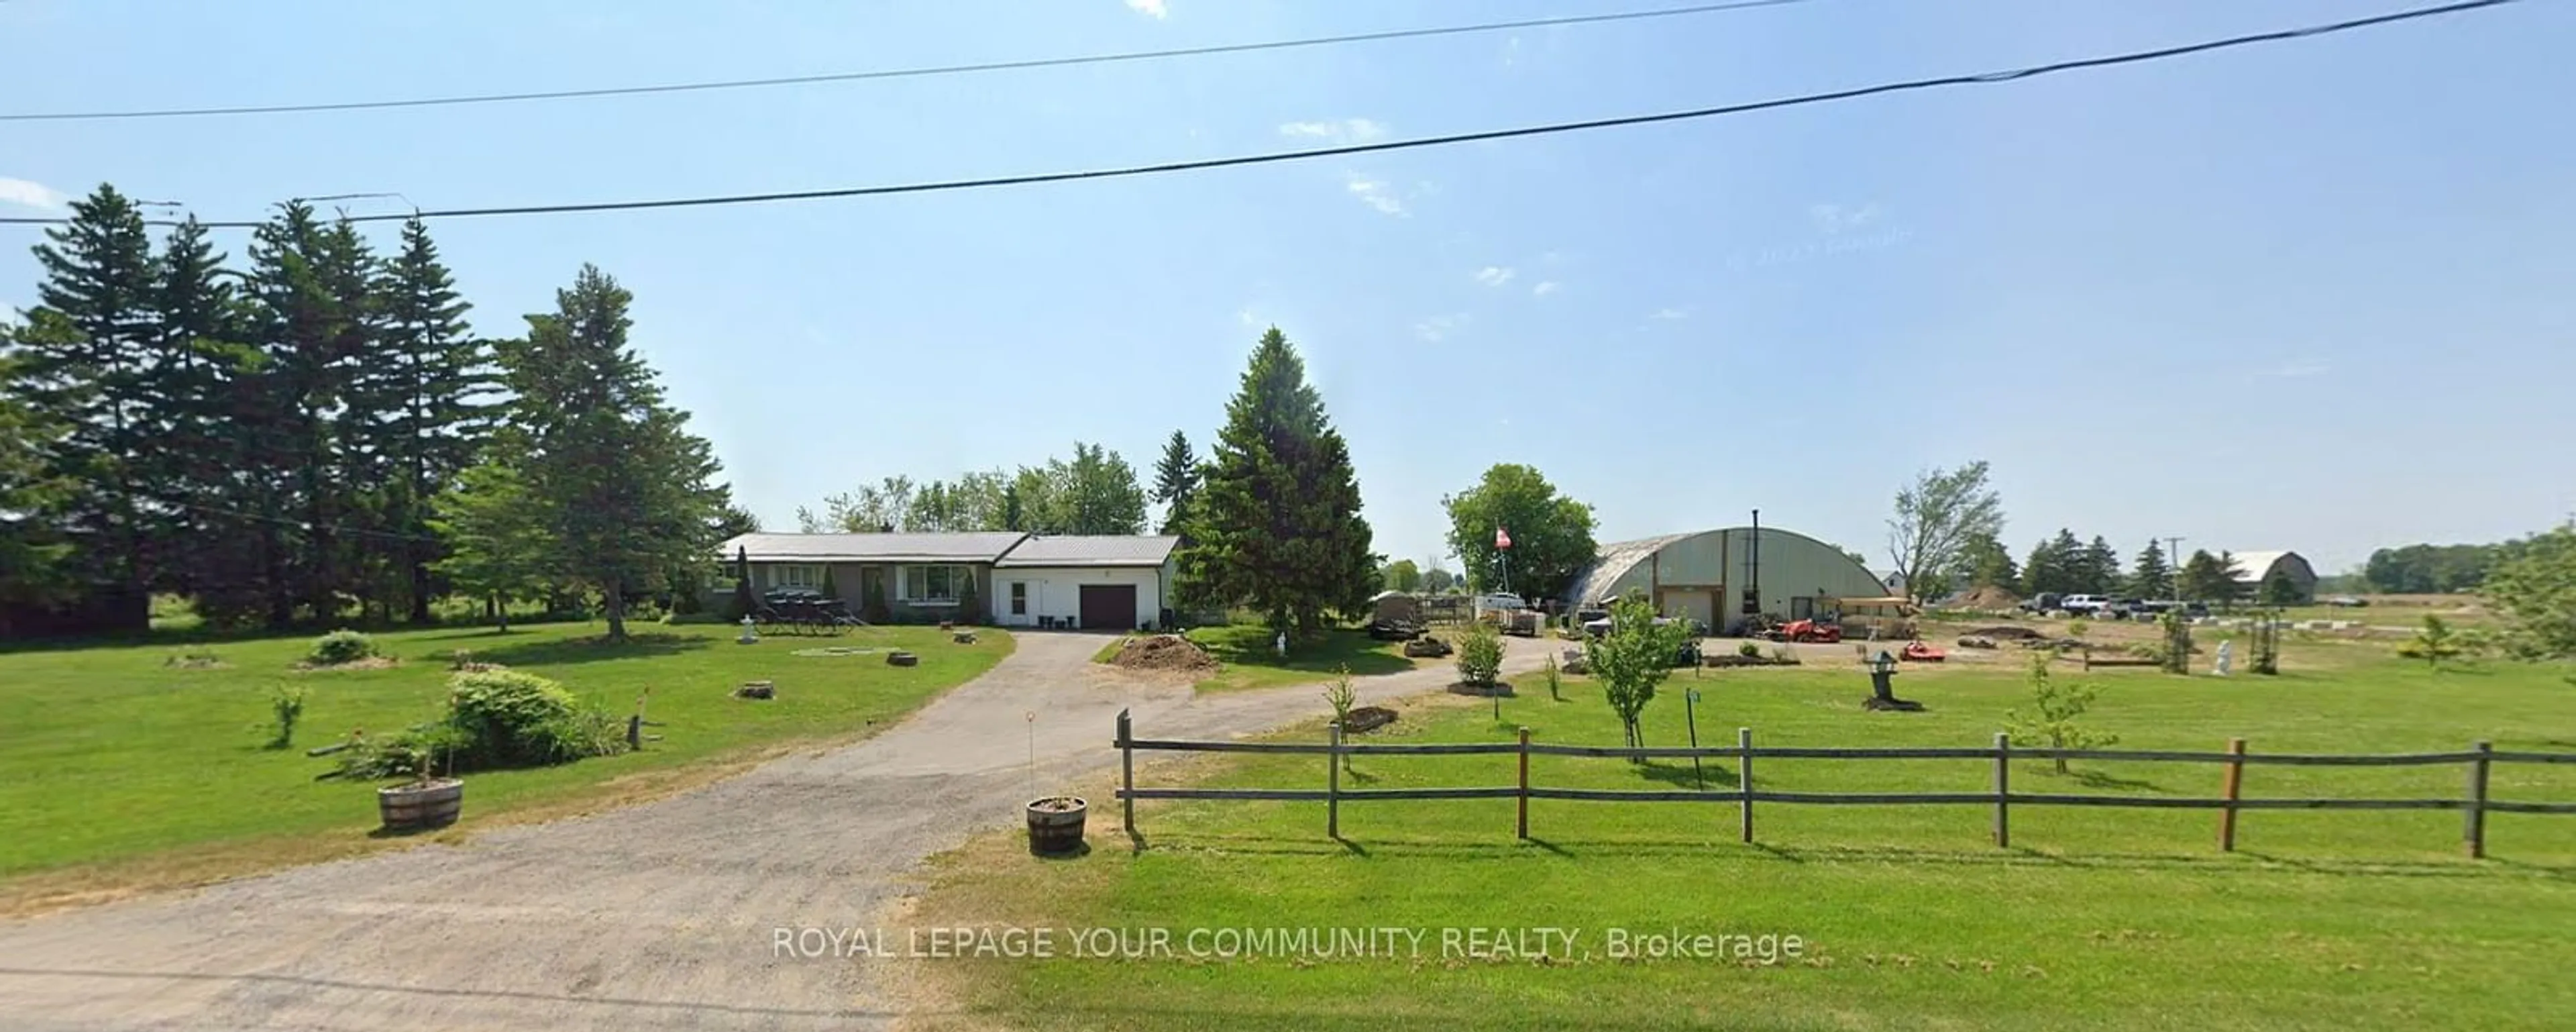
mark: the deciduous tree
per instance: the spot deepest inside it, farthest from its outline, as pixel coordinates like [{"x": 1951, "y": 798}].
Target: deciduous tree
[
  {"x": 1633, "y": 659},
  {"x": 1937, "y": 516},
  {"x": 2051, "y": 721},
  {"x": 1402, "y": 575},
  {"x": 2536, "y": 592},
  {"x": 1551, "y": 534},
  {"x": 497, "y": 547}
]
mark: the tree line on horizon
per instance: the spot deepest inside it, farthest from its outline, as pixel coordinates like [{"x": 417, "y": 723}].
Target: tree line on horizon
[{"x": 318, "y": 429}]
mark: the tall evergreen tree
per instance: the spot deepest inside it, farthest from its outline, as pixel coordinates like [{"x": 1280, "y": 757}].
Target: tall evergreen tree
[
  {"x": 2055, "y": 565},
  {"x": 31, "y": 549},
  {"x": 2152, "y": 575},
  {"x": 2206, "y": 578},
  {"x": 612, "y": 471},
  {"x": 1277, "y": 526},
  {"x": 1176, "y": 480},
  {"x": 87, "y": 366},
  {"x": 432, "y": 389},
  {"x": 2100, "y": 566},
  {"x": 1986, "y": 563},
  {"x": 204, "y": 446},
  {"x": 314, "y": 327}
]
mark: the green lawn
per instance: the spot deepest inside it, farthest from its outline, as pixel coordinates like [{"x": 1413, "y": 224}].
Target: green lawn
[
  {"x": 2096, "y": 919},
  {"x": 1248, "y": 657},
  {"x": 110, "y": 756}
]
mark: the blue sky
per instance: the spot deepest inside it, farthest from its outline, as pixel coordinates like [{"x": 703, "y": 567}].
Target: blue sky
[{"x": 2310, "y": 296}]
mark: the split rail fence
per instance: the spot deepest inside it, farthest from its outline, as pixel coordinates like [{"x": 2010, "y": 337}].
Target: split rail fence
[{"x": 2475, "y": 804}]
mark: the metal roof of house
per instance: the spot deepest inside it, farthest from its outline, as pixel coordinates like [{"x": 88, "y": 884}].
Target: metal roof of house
[
  {"x": 973, "y": 547},
  {"x": 2254, "y": 566},
  {"x": 1091, "y": 550}
]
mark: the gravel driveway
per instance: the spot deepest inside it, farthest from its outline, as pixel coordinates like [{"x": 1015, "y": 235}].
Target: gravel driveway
[{"x": 653, "y": 916}]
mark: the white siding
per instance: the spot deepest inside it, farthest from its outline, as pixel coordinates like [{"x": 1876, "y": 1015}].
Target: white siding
[{"x": 1056, "y": 591}]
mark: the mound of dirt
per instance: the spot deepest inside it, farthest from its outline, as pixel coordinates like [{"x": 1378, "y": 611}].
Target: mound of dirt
[
  {"x": 1988, "y": 597},
  {"x": 1369, "y": 718},
  {"x": 2005, "y": 631},
  {"x": 1163, "y": 652}
]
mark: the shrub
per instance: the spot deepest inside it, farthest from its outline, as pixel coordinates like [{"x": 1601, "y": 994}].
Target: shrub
[
  {"x": 1555, "y": 683},
  {"x": 341, "y": 646},
  {"x": 1480, "y": 654},
  {"x": 1750, "y": 650},
  {"x": 511, "y": 718},
  {"x": 285, "y": 707}
]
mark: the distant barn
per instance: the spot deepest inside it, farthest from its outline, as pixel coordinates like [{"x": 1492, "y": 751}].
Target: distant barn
[{"x": 2253, "y": 568}]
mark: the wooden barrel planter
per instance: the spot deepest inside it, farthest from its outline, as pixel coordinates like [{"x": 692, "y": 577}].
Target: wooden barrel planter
[
  {"x": 1055, "y": 825},
  {"x": 429, "y": 804}
]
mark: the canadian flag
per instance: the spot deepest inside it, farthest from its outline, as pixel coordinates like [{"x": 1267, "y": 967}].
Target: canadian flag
[{"x": 1502, "y": 539}]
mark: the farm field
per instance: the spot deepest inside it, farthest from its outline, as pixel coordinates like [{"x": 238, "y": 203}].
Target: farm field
[
  {"x": 2096, "y": 918},
  {"x": 121, "y": 769}
]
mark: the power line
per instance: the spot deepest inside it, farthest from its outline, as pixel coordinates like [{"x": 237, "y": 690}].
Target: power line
[
  {"x": 899, "y": 73},
  {"x": 1978, "y": 79}
]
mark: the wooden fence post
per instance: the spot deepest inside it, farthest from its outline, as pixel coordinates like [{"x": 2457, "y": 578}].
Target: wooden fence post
[
  {"x": 2475, "y": 828},
  {"x": 1333, "y": 784},
  {"x": 1524, "y": 819},
  {"x": 1744, "y": 776},
  {"x": 1127, "y": 771},
  {"x": 2003, "y": 790},
  {"x": 2235, "y": 784}
]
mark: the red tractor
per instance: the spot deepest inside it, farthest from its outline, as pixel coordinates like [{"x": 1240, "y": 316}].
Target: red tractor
[{"x": 1808, "y": 631}]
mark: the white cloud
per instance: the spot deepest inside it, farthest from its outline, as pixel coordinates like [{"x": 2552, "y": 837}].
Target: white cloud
[
  {"x": 1374, "y": 193},
  {"x": 27, "y": 193},
  {"x": 1348, "y": 130},
  {"x": 1544, "y": 288},
  {"x": 1670, "y": 314},
  {"x": 1834, "y": 218},
  {"x": 1148, "y": 8},
  {"x": 1439, "y": 327},
  {"x": 1494, "y": 275}
]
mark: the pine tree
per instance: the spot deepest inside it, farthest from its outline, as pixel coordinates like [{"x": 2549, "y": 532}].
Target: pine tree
[
  {"x": 206, "y": 445},
  {"x": 1176, "y": 480},
  {"x": 2101, "y": 567},
  {"x": 310, "y": 283},
  {"x": 87, "y": 366},
  {"x": 1277, "y": 523},
  {"x": 432, "y": 386},
  {"x": 2205, "y": 578},
  {"x": 2056, "y": 565},
  {"x": 31, "y": 552},
  {"x": 2152, "y": 577},
  {"x": 615, "y": 476}
]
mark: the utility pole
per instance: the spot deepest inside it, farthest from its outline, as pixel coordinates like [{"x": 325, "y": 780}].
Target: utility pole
[{"x": 2173, "y": 569}]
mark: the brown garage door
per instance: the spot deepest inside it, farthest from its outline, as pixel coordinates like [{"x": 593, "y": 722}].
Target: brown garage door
[{"x": 1109, "y": 607}]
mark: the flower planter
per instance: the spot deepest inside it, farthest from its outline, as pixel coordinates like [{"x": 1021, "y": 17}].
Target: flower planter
[
  {"x": 1055, "y": 825},
  {"x": 428, "y": 804}
]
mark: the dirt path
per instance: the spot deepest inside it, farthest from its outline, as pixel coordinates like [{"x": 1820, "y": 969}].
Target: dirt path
[{"x": 655, "y": 916}]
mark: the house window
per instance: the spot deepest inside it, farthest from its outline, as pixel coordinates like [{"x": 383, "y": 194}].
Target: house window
[
  {"x": 795, "y": 576},
  {"x": 1019, "y": 598},
  {"x": 935, "y": 584}
]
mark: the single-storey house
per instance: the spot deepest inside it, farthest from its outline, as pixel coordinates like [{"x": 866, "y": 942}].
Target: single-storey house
[{"x": 1009, "y": 578}]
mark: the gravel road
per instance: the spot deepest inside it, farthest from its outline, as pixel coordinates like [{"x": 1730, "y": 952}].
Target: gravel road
[{"x": 657, "y": 916}]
